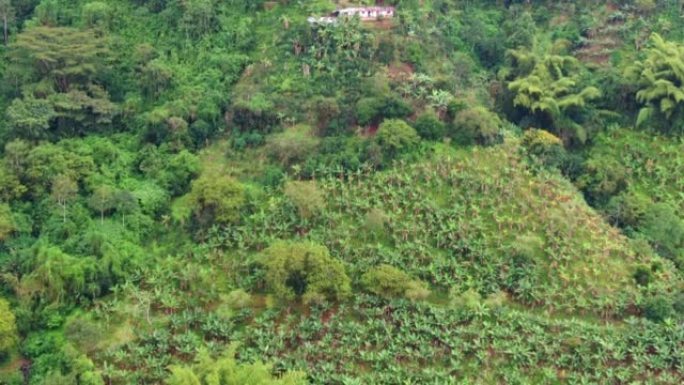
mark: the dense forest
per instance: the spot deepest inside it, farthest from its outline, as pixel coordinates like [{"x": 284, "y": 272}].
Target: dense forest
[{"x": 218, "y": 192}]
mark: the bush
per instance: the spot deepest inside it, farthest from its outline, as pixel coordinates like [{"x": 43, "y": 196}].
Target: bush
[
  {"x": 469, "y": 299},
  {"x": 544, "y": 147},
  {"x": 216, "y": 197},
  {"x": 372, "y": 110},
  {"x": 665, "y": 231},
  {"x": 85, "y": 334},
  {"x": 628, "y": 209},
  {"x": 389, "y": 282},
  {"x": 238, "y": 299},
  {"x": 375, "y": 222},
  {"x": 254, "y": 115},
  {"x": 292, "y": 145},
  {"x": 429, "y": 126},
  {"x": 306, "y": 197},
  {"x": 478, "y": 125},
  {"x": 657, "y": 309},
  {"x": 643, "y": 275},
  {"x": 304, "y": 270},
  {"x": 396, "y": 136}
]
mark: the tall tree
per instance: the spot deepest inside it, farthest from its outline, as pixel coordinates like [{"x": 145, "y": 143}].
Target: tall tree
[
  {"x": 102, "y": 200},
  {"x": 66, "y": 56},
  {"x": 64, "y": 190},
  {"x": 7, "y": 16}
]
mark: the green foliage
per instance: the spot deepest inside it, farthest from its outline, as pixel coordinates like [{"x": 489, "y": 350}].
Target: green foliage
[
  {"x": 293, "y": 145},
  {"x": 429, "y": 126},
  {"x": 216, "y": 197},
  {"x": 6, "y": 222},
  {"x": 304, "y": 270},
  {"x": 226, "y": 371},
  {"x": 477, "y": 125},
  {"x": 8, "y": 328},
  {"x": 373, "y": 110},
  {"x": 665, "y": 230},
  {"x": 306, "y": 197},
  {"x": 65, "y": 56},
  {"x": 30, "y": 118},
  {"x": 544, "y": 147},
  {"x": 551, "y": 86},
  {"x": 657, "y": 309},
  {"x": 201, "y": 131},
  {"x": 238, "y": 299},
  {"x": 390, "y": 282},
  {"x": 396, "y": 136},
  {"x": 659, "y": 78}
]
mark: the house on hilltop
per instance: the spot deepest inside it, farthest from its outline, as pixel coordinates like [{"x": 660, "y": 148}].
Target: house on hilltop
[{"x": 364, "y": 13}]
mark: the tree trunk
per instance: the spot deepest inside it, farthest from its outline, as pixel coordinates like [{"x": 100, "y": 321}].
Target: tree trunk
[{"x": 5, "y": 33}]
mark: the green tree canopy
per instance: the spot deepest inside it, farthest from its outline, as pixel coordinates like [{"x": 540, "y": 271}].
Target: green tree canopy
[
  {"x": 63, "y": 55},
  {"x": 303, "y": 269},
  {"x": 396, "y": 136},
  {"x": 216, "y": 197}
]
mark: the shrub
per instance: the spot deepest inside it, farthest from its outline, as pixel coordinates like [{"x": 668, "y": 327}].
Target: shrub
[
  {"x": 629, "y": 208},
  {"x": 306, "y": 197},
  {"x": 469, "y": 299},
  {"x": 83, "y": 333},
  {"x": 643, "y": 275},
  {"x": 375, "y": 221},
  {"x": 657, "y": 308},
  {"x": 292, "y": 145},
  {"x": 429, "y": 126},
  {"x": 375, "y": 109},
  {"x": 324, "y": 111},
  {"x": 216, "y": 197},
  {"x": 665, "y": 231},
  {"x": 544, "y": 146},
  {"x": 238, "y": 299},
  {"x": 304, "y": 270},
  {"x": 478, "y": 125},
  {"x": 367, "y": 109},
  {"x": 396, "y": 136},
  {"x": 389, "y": 282},
  {"x": 255, "y": 114}
]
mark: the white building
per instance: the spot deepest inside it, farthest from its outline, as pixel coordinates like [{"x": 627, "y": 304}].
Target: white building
[{"x": 364, "y": 13}]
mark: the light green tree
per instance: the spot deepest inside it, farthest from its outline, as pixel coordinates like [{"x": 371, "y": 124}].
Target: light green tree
[
  {"x": 30, "y": 118},
  {"x": 304, "y": 269},
  {"x": 6, "y": 222},
  {"x": 102, "y": 200},
  {"x": 215, "y": 197},
  {"x": 8, "y": 327},
  {"x": 64, "y": 190},
  {"x": 395, "y": 136}
]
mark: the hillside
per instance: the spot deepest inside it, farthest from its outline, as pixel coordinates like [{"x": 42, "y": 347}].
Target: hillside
[{"x": 206, "y": 192}]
